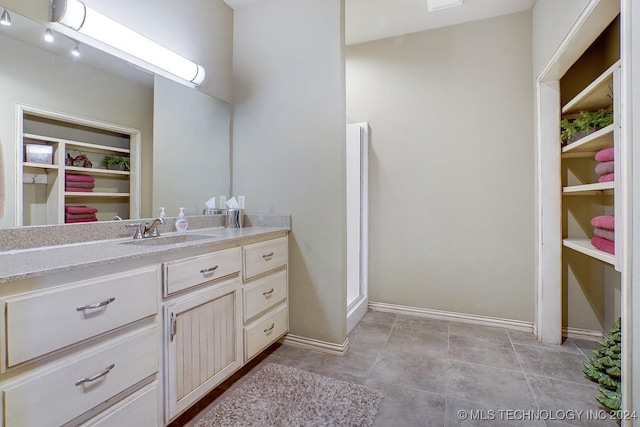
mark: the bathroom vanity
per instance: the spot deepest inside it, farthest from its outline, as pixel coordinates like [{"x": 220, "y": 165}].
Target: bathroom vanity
[{"x": 122, "y": 332}]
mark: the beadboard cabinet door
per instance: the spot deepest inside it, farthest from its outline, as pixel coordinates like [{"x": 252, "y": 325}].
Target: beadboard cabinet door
[{"x": 204, "y": 342}]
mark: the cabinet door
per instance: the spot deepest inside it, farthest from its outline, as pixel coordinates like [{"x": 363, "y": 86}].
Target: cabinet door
[{"x": 204, "y": 342}]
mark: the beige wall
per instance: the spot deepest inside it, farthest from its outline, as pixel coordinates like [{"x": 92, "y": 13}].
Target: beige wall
[
  {"x": 551, "y": 21},
  {"x": 288, "y": 146},
  {"x": 451, "y": 166}
]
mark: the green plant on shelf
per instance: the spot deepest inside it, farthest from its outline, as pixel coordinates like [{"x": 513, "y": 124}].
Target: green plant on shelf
[
  {"x": 586, "y": 123},
  {"x": 116, "y": 162}
]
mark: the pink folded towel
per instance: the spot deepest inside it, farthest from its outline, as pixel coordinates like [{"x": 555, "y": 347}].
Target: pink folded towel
[
  {"x": 78, "y": 189},
  {"x": 604, "y": 233},
  {"x": 80, "y": 210},
  {"x": 80, "y": 184},
  {"x": 78, "y": 177},
  {"x": 79, "y": 216},
  {"x": 605, "y": 155},
  {"x": 607, "y": 178},
  {"x": 603, "y": 244},
  {"x": 71, "y": 221},
  {"x": 603, "y": 221},
  {"x": 604, "y": 168}
]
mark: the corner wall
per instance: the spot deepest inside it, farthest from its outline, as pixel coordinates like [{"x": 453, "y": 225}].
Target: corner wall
[
  {"x": 451, "y": 166},
  {"x": 289, "y": 131}
]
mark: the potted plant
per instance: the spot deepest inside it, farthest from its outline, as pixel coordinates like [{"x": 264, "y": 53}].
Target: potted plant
[
  {"x": 586, "y": 123},
  {"x": 116, "y": 162}
]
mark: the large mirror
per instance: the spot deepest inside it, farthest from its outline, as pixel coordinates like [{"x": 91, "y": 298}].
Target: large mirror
[{"x": 185, "y": 133}]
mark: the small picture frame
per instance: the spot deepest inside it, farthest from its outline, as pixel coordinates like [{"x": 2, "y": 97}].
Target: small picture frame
[{"x": 38, "y": 153}]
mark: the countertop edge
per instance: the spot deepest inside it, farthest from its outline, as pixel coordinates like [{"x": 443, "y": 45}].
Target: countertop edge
[{"x": 31, "y": 256}]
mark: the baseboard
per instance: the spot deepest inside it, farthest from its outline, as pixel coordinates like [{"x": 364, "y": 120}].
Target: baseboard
[
  {"x": 516, "y": 325},
  {"x": 317, "y": 345},
  {"x": 582, "y": 334},
  {"x": 356, "y": 312}
]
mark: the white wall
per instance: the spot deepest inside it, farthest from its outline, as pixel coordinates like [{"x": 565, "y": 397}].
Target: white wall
[
  {"x": 289, "y": 146},
  {"x": 551, "y": 21},
  {"x": 451, "y": 166}
]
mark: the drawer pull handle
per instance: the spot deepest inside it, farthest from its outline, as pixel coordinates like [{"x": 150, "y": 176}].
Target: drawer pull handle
[
  {"x": 96, "y": 376},
  {"x": 268, "y": 293},
  {"x": 96, "y": 305},
  {"x": 266, "y": 331},
  {"x": 209, "y": 270},
  {"x": 174, "y": 326},
  {"x": 269, "y": 255}
]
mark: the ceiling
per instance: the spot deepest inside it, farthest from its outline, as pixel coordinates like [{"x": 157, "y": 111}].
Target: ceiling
[{"x": 368, "y": 20}]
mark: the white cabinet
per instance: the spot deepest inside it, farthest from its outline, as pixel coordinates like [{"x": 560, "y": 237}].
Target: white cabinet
[
  {"x": 72, "y": 349},
  {"x": 265, "y": 294},
  {"x": 81, "y": 309},
  {"x": 139, "y": 410},
  {"x": 214, "y": 322},
  {"x": 203, "y": 327},
  {"x": 55, "y": 394}
]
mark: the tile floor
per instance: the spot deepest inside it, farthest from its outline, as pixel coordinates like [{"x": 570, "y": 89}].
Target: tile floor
[{"x": 430, "y": 371}]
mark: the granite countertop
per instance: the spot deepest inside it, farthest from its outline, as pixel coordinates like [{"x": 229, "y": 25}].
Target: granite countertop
[{"x": 28, "y": 263}]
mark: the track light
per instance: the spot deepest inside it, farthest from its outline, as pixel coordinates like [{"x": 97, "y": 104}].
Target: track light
[
  {"x": 76, "y": 15},
  {"x": 76, "y": 50},
  {"x": 48, "y": 36},
  {"x": 5, "y": 19}
]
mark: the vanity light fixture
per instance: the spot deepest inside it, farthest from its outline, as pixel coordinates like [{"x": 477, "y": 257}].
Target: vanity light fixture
[
  {"x": 48, "y": 36},
  {"x": 76, "y": 50},
  {"x": 76, "y": 15},
  {"x": 433, "y": 5},
  {"x": 5, "y": 19}
]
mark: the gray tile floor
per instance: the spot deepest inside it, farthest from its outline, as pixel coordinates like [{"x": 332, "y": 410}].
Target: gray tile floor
[{"x": 441, "y": 373}]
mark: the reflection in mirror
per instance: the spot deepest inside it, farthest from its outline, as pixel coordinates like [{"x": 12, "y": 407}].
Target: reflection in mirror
[
  {"x": 189, "y": 163},
  {"x": 100, "y": 87}
]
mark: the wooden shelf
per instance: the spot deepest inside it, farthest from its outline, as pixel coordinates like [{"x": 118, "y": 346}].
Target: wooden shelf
[
  {"x": 595, "y": 96},
  {"x": 599, "y": 188},
  {"x": 93, "y": 194},
  {"x": 40, "y": 166},
  {"x": 590, "y": 144},
  {"x": 80, "y": 146},
  {"x": 96, "y": 171},
  {"x": 584, "y": 246}
]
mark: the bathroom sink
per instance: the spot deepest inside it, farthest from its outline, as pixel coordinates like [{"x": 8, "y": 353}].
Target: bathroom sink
[{"x": 168, "y": 240}]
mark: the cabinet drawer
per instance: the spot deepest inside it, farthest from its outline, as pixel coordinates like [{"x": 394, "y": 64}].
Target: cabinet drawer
[
  {"x": 264, "y": 294},
  {"x": 139, "y": 410},
  {"x": 41, "y": 322},
  {"x": 265, "y": 331},
  {"x": 264, "y": 256},
  {"x": 185, "y": 273},
  {"x": 52, "y": 396}
]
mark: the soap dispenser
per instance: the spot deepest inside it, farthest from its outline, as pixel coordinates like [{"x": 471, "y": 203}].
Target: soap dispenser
[
  {"x": 163, "y": 214},
  {"x": 181, "y": 222}
]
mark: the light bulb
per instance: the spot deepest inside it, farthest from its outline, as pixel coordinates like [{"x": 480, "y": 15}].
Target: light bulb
[
  {"x": 48, "y": 36},
  {"x": 76, "y": 51},
  {"x": 5, "y": 19}
]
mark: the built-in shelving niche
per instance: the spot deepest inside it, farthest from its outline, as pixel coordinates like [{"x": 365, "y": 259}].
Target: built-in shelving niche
[
  {"x": 42, "y": 185},
  {"x": 590, "y": 282}
]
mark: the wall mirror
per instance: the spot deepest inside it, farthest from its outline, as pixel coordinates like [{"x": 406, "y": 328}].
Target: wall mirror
[{"x": 185, "y": 133}]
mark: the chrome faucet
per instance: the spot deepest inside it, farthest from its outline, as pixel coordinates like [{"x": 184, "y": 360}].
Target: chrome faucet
[{"x": 151, "y": 230}]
